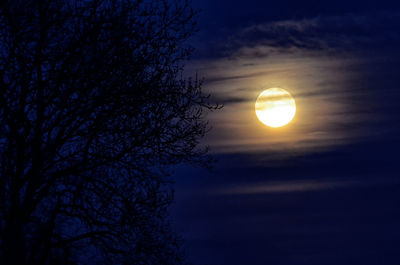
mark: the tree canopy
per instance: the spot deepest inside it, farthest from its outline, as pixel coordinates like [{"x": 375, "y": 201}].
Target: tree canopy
[{"x": 93, "y": 112}]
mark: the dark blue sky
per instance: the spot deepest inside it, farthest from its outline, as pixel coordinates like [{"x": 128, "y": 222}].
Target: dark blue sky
[{"x": 325, "y": 189}]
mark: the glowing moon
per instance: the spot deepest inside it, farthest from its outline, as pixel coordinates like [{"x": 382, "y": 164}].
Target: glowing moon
[{"x": 275, "y": 107}]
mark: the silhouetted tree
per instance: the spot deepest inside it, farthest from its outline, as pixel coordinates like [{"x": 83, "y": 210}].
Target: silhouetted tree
[{"x": 93, "y": 111}]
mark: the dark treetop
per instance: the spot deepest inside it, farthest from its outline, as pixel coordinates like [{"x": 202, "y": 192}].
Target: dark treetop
[{"x": 93, "y": 110}]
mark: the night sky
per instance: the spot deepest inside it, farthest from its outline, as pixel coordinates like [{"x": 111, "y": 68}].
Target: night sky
[{"x": 324, "y": 189}]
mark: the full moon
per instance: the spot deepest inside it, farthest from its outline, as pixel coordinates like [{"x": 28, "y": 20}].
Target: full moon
[{"x": 275, "y": 107}]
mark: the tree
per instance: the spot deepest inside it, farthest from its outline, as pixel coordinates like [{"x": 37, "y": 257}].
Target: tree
[{"x": 93, "y": 112}]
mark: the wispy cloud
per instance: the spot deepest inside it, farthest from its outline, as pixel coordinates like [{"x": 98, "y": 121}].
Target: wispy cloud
[
  {"x": 328, "y": 34},
  {"x": 285, "y": 187}
]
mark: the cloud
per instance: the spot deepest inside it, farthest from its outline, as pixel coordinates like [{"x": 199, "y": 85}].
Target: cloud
[
  {"x": 285, "y": 187},
  {"x": 330, "y": 33},
  {"x": 213, "y": 79}
]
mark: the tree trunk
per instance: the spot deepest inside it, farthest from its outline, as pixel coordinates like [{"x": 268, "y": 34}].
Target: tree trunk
[{"x": 13, "y": 243}]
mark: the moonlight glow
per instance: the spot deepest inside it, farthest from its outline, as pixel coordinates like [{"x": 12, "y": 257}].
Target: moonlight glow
[{"x": 275, "y": 107}]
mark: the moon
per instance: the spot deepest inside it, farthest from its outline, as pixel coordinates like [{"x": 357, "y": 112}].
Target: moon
[{"x": 275, "y": 107}]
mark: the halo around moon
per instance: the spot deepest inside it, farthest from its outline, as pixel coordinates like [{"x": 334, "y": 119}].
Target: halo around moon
[{"x": 275, "y": 107}]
